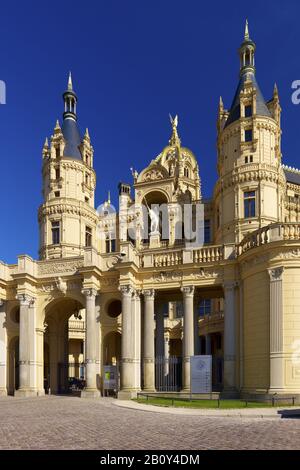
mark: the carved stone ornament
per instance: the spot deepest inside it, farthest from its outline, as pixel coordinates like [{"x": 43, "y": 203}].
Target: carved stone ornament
[
  {"x": 25, "y": 300},
  {"x": 126, "y": 290},
  {"x": 276, "y": 274},
  {"x": 60, "y": 267},
  {"x": 188, "y": 291},
  {"x": 206, "y": 274},
  {"x": 153, "y": 175},
  {"x": 149, "y": 294},
  {"x": 292, "y": 254},
  {"x": 165, "y": 276}
]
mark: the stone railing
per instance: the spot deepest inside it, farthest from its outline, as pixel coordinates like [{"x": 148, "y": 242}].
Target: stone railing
[
  {"x": 270, "y": 233},
  {"x": 76, "y": 325},
  {"x": 209, "y": 254},
  {"x": 174, "y": 257},
  {"x": 167, "y": 259},
  {"x": 212, "y": 317}
]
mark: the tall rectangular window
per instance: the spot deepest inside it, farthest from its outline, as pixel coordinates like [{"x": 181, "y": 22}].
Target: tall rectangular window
[
  {"x": 248, "y": 110},
  {"x": 248, "y": 135},
  {"x": 207, "y": 231},
  {"x": 204, "y": 307},
  {"x": 57, "y": 173},
  {"x": 88, "y": 236},
  {"x": 55, "y": 227},
  {"x": 249, "y": 204}
]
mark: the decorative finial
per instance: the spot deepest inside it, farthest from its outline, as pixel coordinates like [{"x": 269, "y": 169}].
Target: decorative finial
[
  {"x": 57, "y": 125},
  {"x": 46, "y": 144},
  {"x": 108, "y": 198},
  {"x": 174, "y": 138},
  {"x": 87, "y": 135},
  {"x": 246, "y": 35},
  {"x": 70, "y": 84},
  {"x": 221, "y": 104},
  {"x": 275, "y": 91}
]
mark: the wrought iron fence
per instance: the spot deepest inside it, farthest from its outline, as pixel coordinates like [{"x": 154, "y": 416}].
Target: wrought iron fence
[{"x": 168, "y": 374}]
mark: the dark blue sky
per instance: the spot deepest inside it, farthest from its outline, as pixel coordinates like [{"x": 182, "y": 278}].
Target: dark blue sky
[{"x": 133, "y": 63}]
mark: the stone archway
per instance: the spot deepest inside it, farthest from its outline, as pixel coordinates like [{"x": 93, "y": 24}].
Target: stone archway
[
  {"x": 112, "y": 348},
  {"x": 58, "y": 370},
  {"x": 13, "y": 365}
]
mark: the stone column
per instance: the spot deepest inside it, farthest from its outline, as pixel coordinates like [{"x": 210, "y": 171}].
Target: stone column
[
  {"x": 241, "y": 333},
  {"x": 276, "y": 331},
  {"x": 197, "y": 347},
  {"x": 188, "y": 333},
  {"x": 149, "y": 327},
  {"x": 166, "y": 352},
  {"x": 208, "y": 344},
  {"x": 3, "y": 350},
  {"x": 136, "y": 325},
  {"x": 159, "y": 331},
  {"x": 92, "y": 359},
  {"x": 126, "y": 345},
  {"x": 229, "y": 337},
  {"x": 27, "y": 347}
]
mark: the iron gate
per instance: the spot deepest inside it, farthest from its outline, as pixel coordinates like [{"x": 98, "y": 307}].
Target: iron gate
[
  {"x": 71, "y": 377},
  {"x": 168, "y": 374}
]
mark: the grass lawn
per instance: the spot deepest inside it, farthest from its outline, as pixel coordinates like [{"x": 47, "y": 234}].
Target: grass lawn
[{"x": 224, "y": 404}]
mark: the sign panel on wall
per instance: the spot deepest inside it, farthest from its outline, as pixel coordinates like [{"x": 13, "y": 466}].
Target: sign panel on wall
[
  {"x": 110, "y": 377},
  {"x": 201, "y": 374}
]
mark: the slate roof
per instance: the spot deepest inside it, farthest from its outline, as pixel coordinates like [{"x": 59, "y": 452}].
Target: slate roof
[{"x": 261, "y": 107}]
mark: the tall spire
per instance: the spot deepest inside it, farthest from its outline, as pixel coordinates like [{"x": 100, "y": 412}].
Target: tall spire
[
  {"x": 69, "y": 126},
  {"x": 70, "y": 100},
  {"x": 246, "y": 53}
]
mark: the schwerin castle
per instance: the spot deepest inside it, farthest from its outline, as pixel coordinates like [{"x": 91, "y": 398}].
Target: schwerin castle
[{"x": 91, "y": 301}]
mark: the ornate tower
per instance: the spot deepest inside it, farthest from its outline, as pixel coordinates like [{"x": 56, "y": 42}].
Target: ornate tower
[
  {"x": 249, "y": 191},
  {"x": 67, "y": 217}
]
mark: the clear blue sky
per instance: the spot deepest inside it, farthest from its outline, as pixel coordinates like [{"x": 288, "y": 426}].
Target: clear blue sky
[{"x": 133, "y": 62}]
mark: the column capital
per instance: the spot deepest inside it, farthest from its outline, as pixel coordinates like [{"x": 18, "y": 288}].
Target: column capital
[
  {"x": 137, "y": 294},
  {"x": 188, "y": 291},
  {"x": 89, "y": 292},
  {"x": 126, "y": 290},
  {"x": 25, "y": 300},
  {"x": 149, "y": 294},
  {"x": 276, "y": 274}
]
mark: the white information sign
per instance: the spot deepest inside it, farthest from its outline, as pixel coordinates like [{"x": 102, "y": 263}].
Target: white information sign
[{"x": 201, "y": 374}]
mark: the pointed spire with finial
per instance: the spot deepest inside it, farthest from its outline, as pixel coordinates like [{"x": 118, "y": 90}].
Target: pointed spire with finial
[
  {"x": 275, "y": 91},
  {"x": 221, "y": 104},
  {"x": 46, "y": 144},
  {"x": 86, "y": 134},
  {"x": 70, "y": 100},
  {"x": 174, "y": 140},
  {"x": 57, "y": 128},
  {"x": 108, "y": 198},
  {"x": 246, "y": 35},
  {"x": 70, "y": 84}
]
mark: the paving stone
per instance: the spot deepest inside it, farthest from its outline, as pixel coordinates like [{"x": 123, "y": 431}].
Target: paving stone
[{"x": 58, "y": 422}]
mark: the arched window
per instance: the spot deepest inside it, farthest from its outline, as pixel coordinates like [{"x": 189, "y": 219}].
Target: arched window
[{"x": 186, "y": 172}]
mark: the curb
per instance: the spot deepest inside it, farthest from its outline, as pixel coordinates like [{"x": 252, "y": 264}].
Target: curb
[{"x": 273, "y": 414}]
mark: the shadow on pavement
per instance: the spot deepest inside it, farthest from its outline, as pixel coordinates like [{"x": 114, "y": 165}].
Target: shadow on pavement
[{"x": 291, "y": 414}]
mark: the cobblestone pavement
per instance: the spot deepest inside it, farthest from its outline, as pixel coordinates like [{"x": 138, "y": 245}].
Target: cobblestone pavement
[{"x": 74, "y": 423}]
